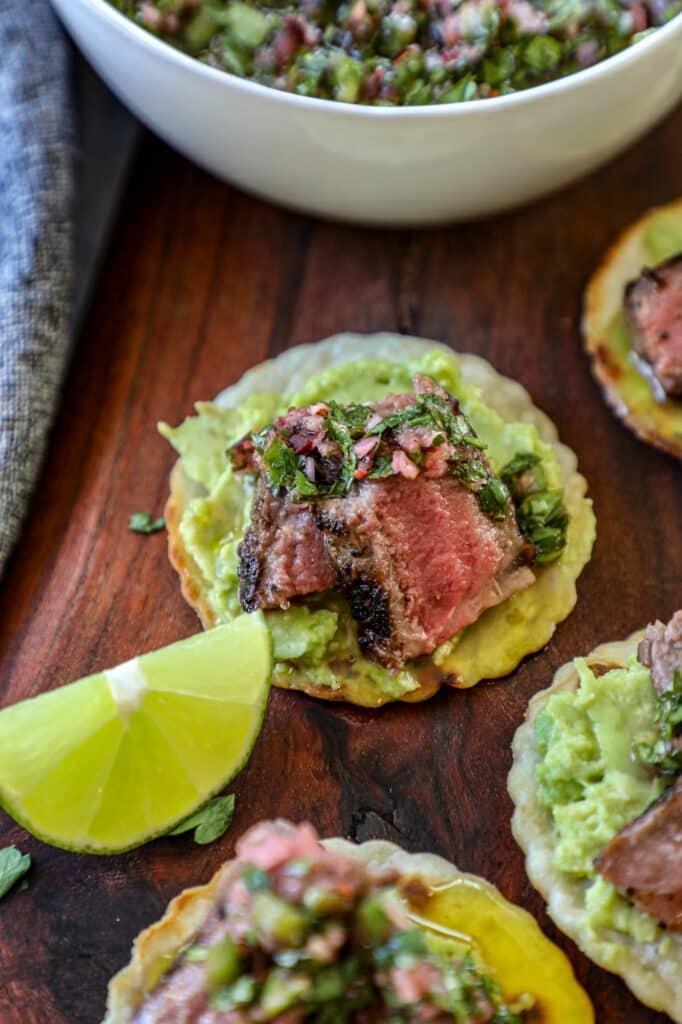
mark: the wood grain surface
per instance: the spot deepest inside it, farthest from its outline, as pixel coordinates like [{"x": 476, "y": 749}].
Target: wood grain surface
[{"x": 200, "y": 283}]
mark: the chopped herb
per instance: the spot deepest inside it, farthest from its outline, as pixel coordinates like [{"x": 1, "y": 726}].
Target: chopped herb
[
  {"x": 255, "y": 879},
  {"x": 281, "y": 463},
  {"x": 13, "y": 866},
  {"x": 493, "y": 498},
  {"x": 540, "y": 513},
  {"x": 210, "y": 822},
  {"x": 524, "y": 474},
  {"x": 382, "y": 468},
  {"x": 304, "y": 486},
  {"x": 664, "y": 754},
  {"x": 543, "y": 519},
  {"x": 142, "y": 522}
]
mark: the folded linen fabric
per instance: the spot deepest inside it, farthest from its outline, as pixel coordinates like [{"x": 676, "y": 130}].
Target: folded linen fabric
[{"x": 36, "y": 243}]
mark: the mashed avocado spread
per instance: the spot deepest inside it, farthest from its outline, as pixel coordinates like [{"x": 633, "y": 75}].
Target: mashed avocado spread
[
  {"x": 592, "y": 783},
  {"x": 318, "y": 639}
]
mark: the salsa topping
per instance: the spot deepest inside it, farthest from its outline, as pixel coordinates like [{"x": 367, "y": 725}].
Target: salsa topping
[
  {"x": 299, "y": 932},
  {"x": 393, "y": 52},
  {"x": 324, "y": 450}
]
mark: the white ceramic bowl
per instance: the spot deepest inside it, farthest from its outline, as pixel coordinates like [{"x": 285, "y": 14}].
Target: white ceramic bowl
[{"x": 377, "y": 164}]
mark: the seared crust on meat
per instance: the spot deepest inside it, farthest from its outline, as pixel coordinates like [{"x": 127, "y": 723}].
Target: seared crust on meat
[
  {"x": 156, "y": 947},
  {"x": 652, "y": 970},
  {"x": 625, "y": 388},
  {"x": 556, "y": 590}
]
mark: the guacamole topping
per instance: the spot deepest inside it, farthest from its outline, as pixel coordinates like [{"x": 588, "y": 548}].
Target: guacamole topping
[
  {"x": 318, "y": 640},
  {"x": 593, "y": 783},
  {"x": 401, "y": 52}
]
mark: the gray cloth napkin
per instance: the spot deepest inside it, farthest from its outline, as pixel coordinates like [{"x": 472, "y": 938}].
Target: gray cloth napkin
[{"x": 36, "y": 265}]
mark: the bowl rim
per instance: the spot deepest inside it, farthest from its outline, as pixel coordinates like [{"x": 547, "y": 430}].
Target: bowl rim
[{"x": 338, "y": 108}]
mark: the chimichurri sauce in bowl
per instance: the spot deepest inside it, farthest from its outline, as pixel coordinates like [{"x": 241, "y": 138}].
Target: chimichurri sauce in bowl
[{"x": 401, "y": 52}]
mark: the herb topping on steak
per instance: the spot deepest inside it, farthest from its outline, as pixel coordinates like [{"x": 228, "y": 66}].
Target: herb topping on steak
[
  {"x": 653, "y": 309},
  {"x": 394, "y": 503}
]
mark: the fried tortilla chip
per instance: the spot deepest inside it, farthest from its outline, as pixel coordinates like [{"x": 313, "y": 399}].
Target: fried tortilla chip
[
  {"x": 652, "y": 970},
  {"x": 495, "y": 644},
  {"x": 655, "y": 237}
]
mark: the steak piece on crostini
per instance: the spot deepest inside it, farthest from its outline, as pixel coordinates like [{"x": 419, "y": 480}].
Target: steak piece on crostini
[
  {"x": 653, "y": 310},
  {"x": 283, "y": 555},
  {"x": 661, "y": 651},
  {"x": 644, "y": 861},
  {"x": 394, "y": 504},
  {"x": 418, "y": 561}
]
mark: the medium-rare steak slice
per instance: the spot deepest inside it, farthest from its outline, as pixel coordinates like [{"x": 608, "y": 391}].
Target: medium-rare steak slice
[
  {"x": 395, "y": 504},
  {"x": 419, "y": 560},
  {"x": 282, "y": 555},
  {"x": 661, "y": 651},
  {"x": 644, "y": 861},
  {"x": 653, "y": 309}
]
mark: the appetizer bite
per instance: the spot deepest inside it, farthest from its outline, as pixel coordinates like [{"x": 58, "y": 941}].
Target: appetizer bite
[
  {"x": 404, "y": 516},
  {"x": 633, "y": 327},
  {"x": 598, "y": 792},
  {"x": 400, "y": 52},
  {"x": 295, "y": 930}
]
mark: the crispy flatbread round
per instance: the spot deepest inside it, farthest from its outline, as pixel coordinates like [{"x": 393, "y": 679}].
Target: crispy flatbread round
[
  {"x": 653, "y": 973},
  {"x": 606, "y": 337},
  {"x": 476, "y": 656},
  {"x": 155, "y": 949}
]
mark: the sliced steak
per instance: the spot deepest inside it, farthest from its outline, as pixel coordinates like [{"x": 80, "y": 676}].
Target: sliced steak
[
  {"x": 418, "y": 561},
  {"x": 653, "y": 309},
  {"x": 661, "y": 651},
  {"x": 644, "y": 861},
  {"x": 282, "y": 555},
  {"x": 395, "y": 504}
]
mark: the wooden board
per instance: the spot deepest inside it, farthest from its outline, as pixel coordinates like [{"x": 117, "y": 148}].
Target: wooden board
[{"x": 201, "y": 282}]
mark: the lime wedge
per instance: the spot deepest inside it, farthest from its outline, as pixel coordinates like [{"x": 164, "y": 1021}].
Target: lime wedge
[{"x": 119, "y": 757}]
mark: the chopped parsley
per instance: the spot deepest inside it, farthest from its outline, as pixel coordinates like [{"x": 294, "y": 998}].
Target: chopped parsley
[
  {"x": 664, "y": 753},
  {"x": 540, "y": 513},
  {"x": 142, "y": 522},
  {"x": 13, "y": 866},
  {"x": 210, "y": 822}
]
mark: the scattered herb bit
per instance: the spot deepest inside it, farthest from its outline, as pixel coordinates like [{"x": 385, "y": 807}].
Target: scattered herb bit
[
  {"x": 142, "y": 522},
  {"x": 13, "y": 866},
  {"x": 210, "y": 822},
  {"x": 664, "y": 754},
  {"x": 540, "y": 513}
]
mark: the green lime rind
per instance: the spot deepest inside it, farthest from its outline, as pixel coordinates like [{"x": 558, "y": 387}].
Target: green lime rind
[{"x": 97, "y": 767}]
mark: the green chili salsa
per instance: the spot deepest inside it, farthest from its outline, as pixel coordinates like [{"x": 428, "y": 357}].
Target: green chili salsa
[{"x": 401, "y": 52}]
